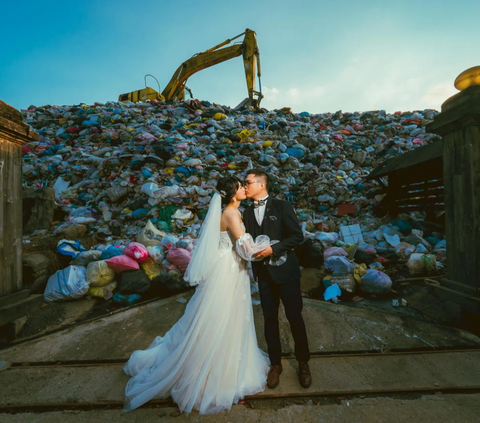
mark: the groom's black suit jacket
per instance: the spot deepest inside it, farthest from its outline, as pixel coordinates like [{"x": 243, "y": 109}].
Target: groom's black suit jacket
[{"x": 279, "y": 223}]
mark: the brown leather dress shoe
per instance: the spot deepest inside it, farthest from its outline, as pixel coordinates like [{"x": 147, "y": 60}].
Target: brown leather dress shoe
[
  {"x": 304, "y": 375},
  {"x": 273, "y": 378}
]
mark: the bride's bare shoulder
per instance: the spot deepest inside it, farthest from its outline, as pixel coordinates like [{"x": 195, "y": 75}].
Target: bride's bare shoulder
[{"x": 228, "y": 212}]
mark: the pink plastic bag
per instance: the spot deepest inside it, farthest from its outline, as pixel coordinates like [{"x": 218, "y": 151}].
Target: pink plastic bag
[
  {"x": 179, "y": 257},
  {"x": 136, "y": 251},
  {"x": 335, "y": 251},
  {"x": 121, "y": 263}
]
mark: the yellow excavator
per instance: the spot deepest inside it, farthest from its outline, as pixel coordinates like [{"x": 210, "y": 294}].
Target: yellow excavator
[{"x": 175, "y": 89}]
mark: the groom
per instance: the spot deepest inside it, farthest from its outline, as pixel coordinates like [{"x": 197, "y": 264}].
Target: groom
[{"x": 278, "y": 274}]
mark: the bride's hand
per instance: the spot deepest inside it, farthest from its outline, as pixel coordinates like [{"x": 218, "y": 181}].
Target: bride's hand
[{"x": 265, "y": 253}]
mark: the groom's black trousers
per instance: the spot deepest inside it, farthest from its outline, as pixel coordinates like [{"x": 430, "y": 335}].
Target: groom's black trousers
[{"x": 289, "y": 293}]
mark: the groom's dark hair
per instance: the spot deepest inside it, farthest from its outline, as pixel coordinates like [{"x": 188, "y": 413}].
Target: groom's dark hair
[{"x": 260, "y": 173}]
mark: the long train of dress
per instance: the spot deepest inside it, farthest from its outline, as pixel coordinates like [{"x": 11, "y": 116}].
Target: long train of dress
[{"x": 210, "y": 358}]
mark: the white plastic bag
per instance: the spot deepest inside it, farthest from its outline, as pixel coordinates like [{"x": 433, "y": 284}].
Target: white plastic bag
[
  {"x": 66, "y": 284},
  {"x": 150, "y": 236},
  {"x": 422, "y": 263},
  {"x": 156, "y": 253}
]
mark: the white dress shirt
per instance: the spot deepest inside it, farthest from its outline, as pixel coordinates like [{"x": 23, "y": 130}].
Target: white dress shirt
[{"x": 260, "y": 212}]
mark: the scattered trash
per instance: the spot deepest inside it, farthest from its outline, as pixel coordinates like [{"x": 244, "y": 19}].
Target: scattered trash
[
  {"x": 333, "y": 291},
  {"x": 4, "y": 365},
  {"x": 67, "y": 284},
  {"x": 376, "y": 282},
  {"x": 139, "y": 178}
]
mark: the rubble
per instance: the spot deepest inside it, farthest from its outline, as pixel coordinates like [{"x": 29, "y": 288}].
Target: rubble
[{"x": 144, "y": 173}]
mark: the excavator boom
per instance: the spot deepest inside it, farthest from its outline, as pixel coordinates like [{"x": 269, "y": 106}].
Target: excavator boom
[{"x": 175, "y": 89}]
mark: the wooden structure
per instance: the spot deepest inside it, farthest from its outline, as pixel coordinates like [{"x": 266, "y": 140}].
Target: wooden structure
[
  {"x": 13, "y": 135},
  {"x": 415, "y": 180},
  {"x": 459, "y": 125}
]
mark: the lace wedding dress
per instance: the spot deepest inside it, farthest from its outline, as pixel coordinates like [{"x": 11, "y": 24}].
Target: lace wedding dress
[{"x": 210, "y": 358}]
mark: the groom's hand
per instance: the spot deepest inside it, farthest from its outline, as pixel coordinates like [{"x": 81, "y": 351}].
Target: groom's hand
[{"x": 265, "y": 253}]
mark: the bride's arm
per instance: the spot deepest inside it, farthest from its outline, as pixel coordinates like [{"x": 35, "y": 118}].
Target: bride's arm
[{"x": 245, "y": 245}]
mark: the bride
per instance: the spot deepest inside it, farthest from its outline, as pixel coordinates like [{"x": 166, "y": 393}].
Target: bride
[{"x": 210, "y": 358}]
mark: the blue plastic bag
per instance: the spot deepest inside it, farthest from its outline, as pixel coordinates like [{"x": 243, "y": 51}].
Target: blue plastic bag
[{"x": 110, "y": 252}]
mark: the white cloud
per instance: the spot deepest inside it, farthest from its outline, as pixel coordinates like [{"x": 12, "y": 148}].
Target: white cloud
[
  {"x": 295, "y": 97},
  {"x": 437, "y": 94}
]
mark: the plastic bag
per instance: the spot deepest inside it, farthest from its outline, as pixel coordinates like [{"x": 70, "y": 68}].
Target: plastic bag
[
  {"x": 179, "y": 257},
  {"x": 404, "y": 250},
  {"x": 183, "y": 214},
  {"x": 151, "y": 269},
  {"x": 110, "y": 252},
  {"x": 421, "y": 264},
  {"x": 376, "y": 282},
  {"x": 335, "y": 251},
  {"x": 136, "y": 251},
  {"x": 66, "y": 284},
  {"x": 86, "y": 257},
  {"x": 150, "y": 236},
  {"x": 359, "y": 271},
  {"x": 105, "y": 292},
  {"x": 122, "y": 263},
  {"x": 332, "y": 291},
  {"x": 99, "y": 273},
  {"x": 133, "y": 281},
  {"x": 156, "y": 253},
  {"x": 339, "y": 265},
  {"x": 169, "y": 242},
  {"x": 70, "y": 248},
  {"x": 310, "y": 253},
  {"x": 345, "y": 281}
]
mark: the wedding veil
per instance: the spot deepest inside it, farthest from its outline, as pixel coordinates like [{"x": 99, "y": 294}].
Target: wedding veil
[{"x": 205, "y": 251}]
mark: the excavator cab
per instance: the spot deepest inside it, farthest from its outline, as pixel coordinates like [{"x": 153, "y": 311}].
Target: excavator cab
[{"x": 175, "y": 89}]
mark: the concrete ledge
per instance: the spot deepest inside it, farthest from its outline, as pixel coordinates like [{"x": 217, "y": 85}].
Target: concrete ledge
[{"x": 20, "y": 308}]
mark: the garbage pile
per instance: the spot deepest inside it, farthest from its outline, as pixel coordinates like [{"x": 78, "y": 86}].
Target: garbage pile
[{"x": 139, "y": 177}]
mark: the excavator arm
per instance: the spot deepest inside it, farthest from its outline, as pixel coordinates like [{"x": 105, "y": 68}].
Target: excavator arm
[
  {"x": 175, "y": 89},
  {"x": 251, "y": 59}
]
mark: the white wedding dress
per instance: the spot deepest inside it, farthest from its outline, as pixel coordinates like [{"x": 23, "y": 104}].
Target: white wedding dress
[{"x": 210, "y": 358}]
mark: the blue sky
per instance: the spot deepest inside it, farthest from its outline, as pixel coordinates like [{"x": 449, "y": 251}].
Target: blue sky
[{"x": 317, "y": 56}]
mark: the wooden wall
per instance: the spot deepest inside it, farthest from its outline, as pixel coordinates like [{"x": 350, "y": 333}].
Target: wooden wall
[
  {"x": 14, "y": 133},
  {"x": 418, "y": 188},
  {"x": 10, "y": 217},
  {"x": 462, "y": 189}
]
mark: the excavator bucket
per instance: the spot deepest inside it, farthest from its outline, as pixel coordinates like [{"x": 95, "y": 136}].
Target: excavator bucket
[{"x": 247, "y": 103}]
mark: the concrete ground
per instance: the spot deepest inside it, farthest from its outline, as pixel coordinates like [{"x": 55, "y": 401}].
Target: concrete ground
[
  {"x": 426, "y": 409},
  {"x": 330, "y": 328}
]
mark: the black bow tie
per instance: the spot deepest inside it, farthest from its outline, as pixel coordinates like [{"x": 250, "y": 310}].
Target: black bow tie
[{"x": 257, "y": 204}]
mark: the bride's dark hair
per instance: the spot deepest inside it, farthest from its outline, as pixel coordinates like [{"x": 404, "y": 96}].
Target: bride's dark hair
[{"x": 227, "y": 187}]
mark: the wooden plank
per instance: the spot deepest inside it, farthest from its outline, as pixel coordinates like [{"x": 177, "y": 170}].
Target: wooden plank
[
  {"x": 409, "y": 208},
  {"x": 9, "y": 220},
  {"x": 472, "y": 229},
  {"x": 3, "y": 276},
  {"x": 18, "y": 221},
  {"x": 427, "y": 183},
  {"x": 459, "y": 203},
  {"x": 475, "y": 194},
  {"x": 424, "y": 183},
  {"x": 393, "y": 185},
  {"x": 421, "y": 196},
  {"x": 448, "y": 144}
]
